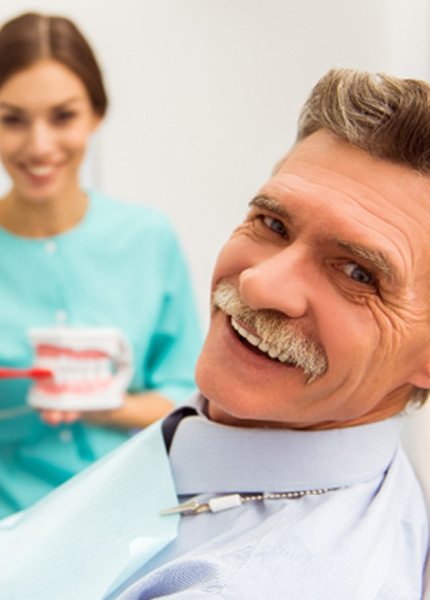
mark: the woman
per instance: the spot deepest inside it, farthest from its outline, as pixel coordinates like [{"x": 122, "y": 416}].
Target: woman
[{"x": 72, "y": 257}]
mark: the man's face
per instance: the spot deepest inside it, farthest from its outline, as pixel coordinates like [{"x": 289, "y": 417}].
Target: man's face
[{"x": 330, "y": 275}]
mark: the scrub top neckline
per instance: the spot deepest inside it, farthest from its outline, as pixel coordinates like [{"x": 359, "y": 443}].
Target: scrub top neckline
[{"x": 67, "y": 234}]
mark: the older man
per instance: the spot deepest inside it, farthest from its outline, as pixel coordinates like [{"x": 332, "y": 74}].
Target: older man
[{"x": 290, "y": 476}]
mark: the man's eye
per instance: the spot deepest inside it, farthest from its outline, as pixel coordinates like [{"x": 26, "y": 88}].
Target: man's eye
[
  {"x": 275, "y": 225},
  {"x": 359, "y": 274}
]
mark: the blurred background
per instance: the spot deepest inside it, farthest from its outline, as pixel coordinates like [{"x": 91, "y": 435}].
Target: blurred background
[{"x": 205, "y": 94}]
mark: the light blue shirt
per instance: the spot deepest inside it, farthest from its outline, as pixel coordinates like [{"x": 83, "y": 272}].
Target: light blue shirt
[
  {"x": 121, "y": 266},
  {"x": 367, "y": 540}
]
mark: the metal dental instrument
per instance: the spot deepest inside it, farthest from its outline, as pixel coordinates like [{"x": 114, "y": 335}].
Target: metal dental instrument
[{"x": 220, "y": 503}]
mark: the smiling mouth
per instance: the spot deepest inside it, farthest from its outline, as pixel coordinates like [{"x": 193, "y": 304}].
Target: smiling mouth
[
  {"x": 258, "y": 345},
  {"x": 39, "y": 171}
]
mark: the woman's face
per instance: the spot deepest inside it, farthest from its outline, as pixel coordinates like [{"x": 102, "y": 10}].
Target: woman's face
[{"x": 46, "y": 118}]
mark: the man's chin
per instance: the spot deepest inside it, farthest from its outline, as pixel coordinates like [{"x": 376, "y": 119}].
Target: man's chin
[{"x": 220, "y": 415}]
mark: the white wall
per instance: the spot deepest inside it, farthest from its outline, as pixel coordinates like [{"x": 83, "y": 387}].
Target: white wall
[{"x": 205, "y": 93}]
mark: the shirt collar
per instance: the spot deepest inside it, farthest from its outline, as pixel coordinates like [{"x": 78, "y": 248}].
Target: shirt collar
[{"x": 207, "y": 457}]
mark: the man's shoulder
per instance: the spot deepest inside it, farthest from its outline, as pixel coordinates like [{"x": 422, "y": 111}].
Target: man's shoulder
[{"x": 360, "y": 538}]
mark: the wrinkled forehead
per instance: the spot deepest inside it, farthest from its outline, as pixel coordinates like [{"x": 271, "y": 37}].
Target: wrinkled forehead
[{"x": 324, "y": 159}]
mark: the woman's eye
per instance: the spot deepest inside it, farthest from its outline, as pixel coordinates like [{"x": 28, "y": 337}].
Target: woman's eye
[
  {"x": 359, "y": 274},
  {"x": 12, "y": 120},
  {"x": 64, "y": 116},
  {"x": 275, "y": 225}
]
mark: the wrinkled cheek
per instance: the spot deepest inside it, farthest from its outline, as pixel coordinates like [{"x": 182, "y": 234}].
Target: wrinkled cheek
[
  {"x": 389, "y": 332},
  {"x": 353, "y": 349},
  {"x": 348, "y": 334}
]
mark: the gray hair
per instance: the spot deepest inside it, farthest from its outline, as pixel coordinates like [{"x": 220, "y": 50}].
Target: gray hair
[{"x": 386, "y": 116}]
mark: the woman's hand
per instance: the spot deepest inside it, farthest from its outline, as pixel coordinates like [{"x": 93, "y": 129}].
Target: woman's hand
[
  {"x": 137, "y": 412},
  {"x": 56, "y": 417}
]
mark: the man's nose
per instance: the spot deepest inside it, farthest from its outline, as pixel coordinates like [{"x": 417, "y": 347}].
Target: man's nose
[
  {"x": 41, "y": 139},
  {"x": 279, "y": 282}
]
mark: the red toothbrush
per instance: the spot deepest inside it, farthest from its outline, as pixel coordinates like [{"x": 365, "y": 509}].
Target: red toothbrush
[{"x": 32, "y": 373}]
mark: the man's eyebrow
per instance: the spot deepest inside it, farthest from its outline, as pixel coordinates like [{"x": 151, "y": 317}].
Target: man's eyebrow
[
  {"x": 378, "y": 259},
  {"x": 271, "y": 204}
]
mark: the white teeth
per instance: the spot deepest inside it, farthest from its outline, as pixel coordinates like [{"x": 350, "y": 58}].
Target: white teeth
[
  {"x": 273, "y": 353},
  {"x": 256, "y": 341},
  {"x": 284, "y": 357},
  {"x": 40, "y": 171},
  {"x": 263, "y": 346},
  {"x": 74, "y": 370},
  {"x": 251, "y": 338}
]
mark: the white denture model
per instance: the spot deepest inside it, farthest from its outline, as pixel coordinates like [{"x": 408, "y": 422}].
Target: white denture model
[{"x": 90, "y": 368}]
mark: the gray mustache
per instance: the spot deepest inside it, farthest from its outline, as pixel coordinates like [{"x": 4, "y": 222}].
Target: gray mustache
[{"x": 274, "y": 328}]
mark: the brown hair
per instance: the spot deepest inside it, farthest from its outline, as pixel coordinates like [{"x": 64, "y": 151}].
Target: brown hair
[
  {"x": 386, "y": 116},
  {"x": 31, "y": 37}
]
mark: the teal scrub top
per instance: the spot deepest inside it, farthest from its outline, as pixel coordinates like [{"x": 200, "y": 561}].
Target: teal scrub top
[{"x": 121, "y": 266}]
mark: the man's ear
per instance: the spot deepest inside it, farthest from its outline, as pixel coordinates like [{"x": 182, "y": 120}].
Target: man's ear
[{"x": 421, "y": 375}]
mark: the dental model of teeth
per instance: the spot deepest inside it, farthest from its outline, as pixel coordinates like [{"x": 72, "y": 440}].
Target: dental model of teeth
[
  {"x": 74, "y": 371},
  {"x": 254, "y": 340},
  {"x": 91, "y": 369}
]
